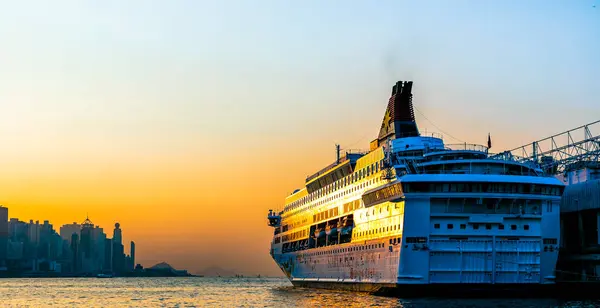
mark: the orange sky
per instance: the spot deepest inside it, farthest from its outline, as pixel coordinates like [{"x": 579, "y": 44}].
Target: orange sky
[{"x": 187, "y": 121}]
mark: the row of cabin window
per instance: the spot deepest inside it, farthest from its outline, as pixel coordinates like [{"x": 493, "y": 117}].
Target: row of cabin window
[
  {"x": 379, "y": 230},
  {"x": 298, "y": 223},
  {"x": 351, "y": 206},
  {"x": 514, "y": 188},
  {"x": 416, "y": 239},
  {"x": 476, "y": 226},
  {"x": 292, "y": 226},
  {"x": 356, "y": 176},
  {"x": 325, "y": 214},
  {"x": 293, "y": 236},
  {"x": 382, "y": 194},
  {"x": 372, "y": 211},
  {"x": 331, "y": 198},
  {"x": 343, "y": 250}
]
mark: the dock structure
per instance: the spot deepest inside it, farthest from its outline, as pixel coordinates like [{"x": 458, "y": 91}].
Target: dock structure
[
  {"x": 573, "y": 157},
  {"x": 579, "y": 258}
]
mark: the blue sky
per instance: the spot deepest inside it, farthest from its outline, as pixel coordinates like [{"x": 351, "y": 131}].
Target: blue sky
[{"x": 188, "y": 65}]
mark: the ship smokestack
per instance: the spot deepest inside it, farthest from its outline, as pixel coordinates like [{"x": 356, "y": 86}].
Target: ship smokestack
[{"x": 399, "y": 120}]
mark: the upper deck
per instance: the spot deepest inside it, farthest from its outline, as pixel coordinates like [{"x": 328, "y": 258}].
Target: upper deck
[{"x": 399, "y": 150}]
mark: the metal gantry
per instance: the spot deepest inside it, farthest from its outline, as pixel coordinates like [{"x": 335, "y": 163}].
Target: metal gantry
[{"x": 561, "y": 152}]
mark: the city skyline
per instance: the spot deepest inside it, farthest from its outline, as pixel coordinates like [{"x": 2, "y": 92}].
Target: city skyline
[
  {"x": 84, "y": 248},
  {"x": 187, "y": 121}
]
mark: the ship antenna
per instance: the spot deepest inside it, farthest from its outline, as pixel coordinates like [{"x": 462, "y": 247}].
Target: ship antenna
[{"x": 337, "y": 153}]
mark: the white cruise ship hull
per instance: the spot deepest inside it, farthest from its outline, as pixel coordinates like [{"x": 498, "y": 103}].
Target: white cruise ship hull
[
  {"x": 414, "y": 216},
  {"x": 440, "y": 261}
]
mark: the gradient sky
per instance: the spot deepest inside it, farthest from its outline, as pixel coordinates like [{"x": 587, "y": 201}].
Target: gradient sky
[{"x": 187, "y": 120}]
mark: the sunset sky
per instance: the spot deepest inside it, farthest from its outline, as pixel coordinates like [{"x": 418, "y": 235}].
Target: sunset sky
[{"x": 187, "y": 120}]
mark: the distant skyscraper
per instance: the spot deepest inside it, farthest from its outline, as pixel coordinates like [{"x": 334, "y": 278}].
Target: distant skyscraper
[
  {"x": 86, "y": 245},
  {"x": 66, "y": 231},
  {"x": 34, "y": 232},
  {"x": 119, "y": 264},
  {"x": 75, "y": 253},
  {"x": 3, "y": 235},
  {"x": 45, "y": 244},
  {"x": 99, "y": 248},
  {"x": 117, "y": 237},
  {"x": 86, "y": 241},
  {"x": 17, "y": 240},
  {"x": 118, "y": 258},
  {"x": 108, "y": 255},
  {"x": 17, "y": 230},
  {"x": 132, "y": 254},
  {"x": 30, "y": 249}
]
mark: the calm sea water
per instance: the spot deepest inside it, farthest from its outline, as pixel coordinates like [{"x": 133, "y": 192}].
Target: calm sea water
[{"x": 219, "y": 292}]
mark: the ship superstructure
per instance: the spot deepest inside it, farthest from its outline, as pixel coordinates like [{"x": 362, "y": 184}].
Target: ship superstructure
[{"x": 416, "y": 212}]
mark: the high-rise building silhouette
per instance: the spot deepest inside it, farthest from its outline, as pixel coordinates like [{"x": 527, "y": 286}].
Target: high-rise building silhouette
[
  {"x": 31, "y": 248},
  {"x": 3, "y": 235},
  {"x": 108, "y": 255},
  {"x": 66, "y": 231},
  {"x": 132, "y": 255},
  {"x": 17, "y": 230},
  {"x": 75, "y": 263},
  {"x": 17, "y": 236},
  {"x": 78, "y": 249},
  {"x": 118, "y": 256},
  {"x": 99, "y": 248},
  {"x": 117, "y": 237},
  {"x": 86, "y": 245}
]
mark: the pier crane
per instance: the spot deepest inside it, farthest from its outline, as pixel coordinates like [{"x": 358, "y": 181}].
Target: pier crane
[{"x": 557, "y": 155}]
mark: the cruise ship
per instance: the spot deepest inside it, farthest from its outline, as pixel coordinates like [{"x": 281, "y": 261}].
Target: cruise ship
[{"x": 414, "y": 214}]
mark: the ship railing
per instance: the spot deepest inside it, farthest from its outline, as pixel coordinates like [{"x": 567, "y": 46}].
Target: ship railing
[
  {"x": 355, "y": 151},
  {"x": 460, "y": 147},
  {"x": 507, "y": 155},
  {"x": 420, "y": 134},
  {"x": 432, "y": 134},
  {"x": 467, "y": 147},
  {"x": 469, "y": 171}
]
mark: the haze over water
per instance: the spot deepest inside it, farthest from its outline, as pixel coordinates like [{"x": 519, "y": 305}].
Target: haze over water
[{"x": 222, "y": 292}]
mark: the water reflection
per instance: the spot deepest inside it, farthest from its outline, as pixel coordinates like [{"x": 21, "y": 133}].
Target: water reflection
[
  {"x": 221, "y": 292},
  {"x": 312, "y": 297}
]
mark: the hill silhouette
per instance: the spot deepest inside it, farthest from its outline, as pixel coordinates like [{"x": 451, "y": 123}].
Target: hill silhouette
[{"x": 162, "y": 266}]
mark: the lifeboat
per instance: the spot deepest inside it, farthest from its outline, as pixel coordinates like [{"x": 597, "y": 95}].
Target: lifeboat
[
  {"x": 347, "y": 230},
  {"x": 319, "y": 233},
  {"x": 331, "y": 230}
]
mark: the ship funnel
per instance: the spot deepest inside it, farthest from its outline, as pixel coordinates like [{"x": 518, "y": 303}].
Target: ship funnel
[{"x": 399, "y": 120}]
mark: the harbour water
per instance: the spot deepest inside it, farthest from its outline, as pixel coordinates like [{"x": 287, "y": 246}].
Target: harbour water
[{"x": 220, "y": 292}]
